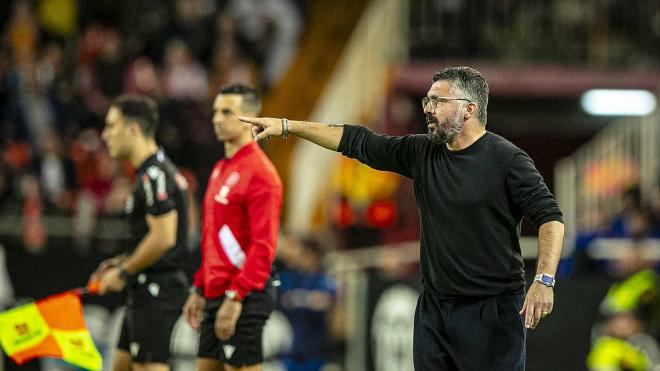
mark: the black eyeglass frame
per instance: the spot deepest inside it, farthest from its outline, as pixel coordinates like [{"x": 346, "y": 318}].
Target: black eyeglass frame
[{"x": 435, "y": 100}]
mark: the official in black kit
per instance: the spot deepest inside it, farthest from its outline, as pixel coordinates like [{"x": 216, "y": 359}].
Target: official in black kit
[
  {"x": 472, "y": 188},
  {"x": 157, "y": 212}
]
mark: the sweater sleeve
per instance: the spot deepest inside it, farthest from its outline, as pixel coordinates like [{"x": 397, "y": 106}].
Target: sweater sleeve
[
  {"x": 263, "y": 212},
  {"x": 381, "y": 152},
  {"x": 530, "y": 193}
]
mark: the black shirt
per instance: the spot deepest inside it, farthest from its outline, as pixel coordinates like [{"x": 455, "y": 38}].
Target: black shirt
[
  {"x": 158, "y": 189},
  {"x": 470, "y": 204}
]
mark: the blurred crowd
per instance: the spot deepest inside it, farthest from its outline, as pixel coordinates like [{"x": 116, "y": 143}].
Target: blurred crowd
[
  {"x": 637, "y": 223},
  {"x": 624, "y": 246},
  {"x": 636, "y": 220},
  {"x": 63, "y": 61}
]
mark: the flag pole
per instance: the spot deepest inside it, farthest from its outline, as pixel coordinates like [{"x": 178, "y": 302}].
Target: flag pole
[{"x": 92, "y": 288}]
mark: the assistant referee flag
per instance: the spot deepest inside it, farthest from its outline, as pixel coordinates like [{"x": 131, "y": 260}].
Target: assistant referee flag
[{"x": 52, "y": 327}]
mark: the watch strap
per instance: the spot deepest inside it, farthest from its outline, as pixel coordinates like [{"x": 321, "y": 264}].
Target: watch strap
[
  {"x": 545, "y": 279},
  {"x": 233, "y": 295}
]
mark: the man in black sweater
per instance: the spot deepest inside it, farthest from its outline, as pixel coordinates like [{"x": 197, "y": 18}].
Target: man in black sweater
[{"x": 472, "y": 188}]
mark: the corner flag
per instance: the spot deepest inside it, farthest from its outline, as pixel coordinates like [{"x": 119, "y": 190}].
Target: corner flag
[{"x": 52, "y": 327}]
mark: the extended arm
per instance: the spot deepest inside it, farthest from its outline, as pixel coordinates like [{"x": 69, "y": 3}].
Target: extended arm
[
  {"x": 325, "y": 135},
  {"x": 381, "y": 152}
]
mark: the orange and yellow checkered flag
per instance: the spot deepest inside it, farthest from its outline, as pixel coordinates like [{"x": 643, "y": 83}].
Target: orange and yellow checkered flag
[{"x": 52, "y": 327}]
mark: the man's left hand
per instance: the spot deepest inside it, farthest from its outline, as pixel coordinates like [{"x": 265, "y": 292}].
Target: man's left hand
[
  {"x": 538, "y": 304},
  {"x": 111, "y": 281},
  {"x": 226, "y": 318}
]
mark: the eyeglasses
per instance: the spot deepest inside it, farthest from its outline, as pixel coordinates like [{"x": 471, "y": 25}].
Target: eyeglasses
[{"x": 435, "y": 100}]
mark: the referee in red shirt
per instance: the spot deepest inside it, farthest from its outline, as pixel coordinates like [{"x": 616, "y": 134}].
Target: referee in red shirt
[{"x": 231, "y": 297}]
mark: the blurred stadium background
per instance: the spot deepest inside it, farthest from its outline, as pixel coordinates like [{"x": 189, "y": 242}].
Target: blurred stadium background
[{"x": 357, "y": 61}]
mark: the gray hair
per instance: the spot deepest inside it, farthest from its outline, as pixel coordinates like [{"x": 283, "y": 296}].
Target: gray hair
[{"x": 469, "y": 84}]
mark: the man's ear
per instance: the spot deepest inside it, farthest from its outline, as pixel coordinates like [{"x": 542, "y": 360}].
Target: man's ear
[
  {"x": 470, "y": 110},
  {"x": 134, "y": 129}
]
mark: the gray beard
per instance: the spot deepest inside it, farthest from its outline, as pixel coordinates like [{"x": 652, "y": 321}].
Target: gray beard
[{"x": 441, "y": 136}]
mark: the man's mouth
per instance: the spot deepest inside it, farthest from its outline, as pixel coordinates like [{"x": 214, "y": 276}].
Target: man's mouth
[{"x": 431, "y": 123}]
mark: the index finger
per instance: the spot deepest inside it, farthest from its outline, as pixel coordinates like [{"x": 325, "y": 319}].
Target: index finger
[
  {"x": 524, "y": 308},
  {"x": 249, "y": 120}
]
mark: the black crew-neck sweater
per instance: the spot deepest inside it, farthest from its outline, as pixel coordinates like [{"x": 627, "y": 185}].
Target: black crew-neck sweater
[{"x": 470, "y": 205}]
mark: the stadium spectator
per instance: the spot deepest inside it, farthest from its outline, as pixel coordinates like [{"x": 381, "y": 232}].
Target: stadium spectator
[
  {"x": 56, "y": 173},
  {"x": 22, "y": 31},
  {"x": 183, "y": 77},
  {"x": 29, "y": 112},
  {"x": 102, "y": 67},
  {"x": 228, "y": 65},
  {"x": 192, "y": 23},
  {"x": 626, "y": 335},
  {"x": 142, "y": 78},
  {"x": 633, "y": 221},
  {"x": 307, "y": 296},
  {"x": 273, "y": 28}
]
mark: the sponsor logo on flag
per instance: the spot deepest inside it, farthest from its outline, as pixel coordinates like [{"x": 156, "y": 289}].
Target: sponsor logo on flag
[{"x": 21, "y": 328}]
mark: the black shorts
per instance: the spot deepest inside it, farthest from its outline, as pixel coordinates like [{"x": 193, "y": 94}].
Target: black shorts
[
  {"x": 469, "y": 334},
  {"x": 153, "y": 305},
  {"x": 244, "y": 348}
]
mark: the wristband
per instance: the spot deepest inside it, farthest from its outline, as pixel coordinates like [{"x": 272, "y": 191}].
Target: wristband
[
  {"x": 195, "y": 290},
  {"x": 285, "y": 128},
  {"x": 123, "y": 274}
]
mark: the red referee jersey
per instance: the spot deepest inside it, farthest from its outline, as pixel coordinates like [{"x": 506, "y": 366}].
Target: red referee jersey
[{"x": 241, "y": 217}]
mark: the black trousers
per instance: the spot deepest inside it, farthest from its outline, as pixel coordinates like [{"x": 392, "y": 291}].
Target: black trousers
[{"x": 469, "y": 334}]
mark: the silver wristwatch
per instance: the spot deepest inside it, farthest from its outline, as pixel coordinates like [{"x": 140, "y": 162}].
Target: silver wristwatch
[
  {"x": 232, "y": 295},
  {"x": 545, "y": 279}
]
